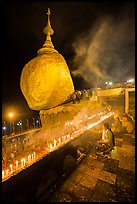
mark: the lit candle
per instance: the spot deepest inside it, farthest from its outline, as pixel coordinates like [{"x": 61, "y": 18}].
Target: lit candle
[
  {"x": 54, "y": 143},
  {"x": 7, "y": 171},
  {"x": 28, "y": 158},
  {"x": 22, "y": 162},
  {"x": 11, "y": 167},
  {"x": 50, "y": 146},
  {"x": 32, "y": 156},
  {"x": 2, "y": 173},
  {"x": 59, "y": 140},
  {"x": 16, "y": 164}
]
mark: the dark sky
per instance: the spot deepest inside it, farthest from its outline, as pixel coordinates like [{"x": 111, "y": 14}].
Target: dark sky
[{"x": 96, "y": 39}]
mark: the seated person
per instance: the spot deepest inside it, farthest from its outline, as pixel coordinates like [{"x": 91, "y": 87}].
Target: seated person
[
  {"x": 117, "y": 127},
  {"x": 106, "y": 143},
  {"x": 127, "y": 125}
]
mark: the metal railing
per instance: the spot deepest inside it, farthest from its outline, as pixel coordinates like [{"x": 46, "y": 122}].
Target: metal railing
[{"x": 19, "y": 126}]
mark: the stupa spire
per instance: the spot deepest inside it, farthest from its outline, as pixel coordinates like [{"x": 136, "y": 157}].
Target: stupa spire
[{"x": 48, "y": 31}]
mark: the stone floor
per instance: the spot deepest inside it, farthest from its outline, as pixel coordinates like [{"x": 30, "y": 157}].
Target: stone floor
[{"x": 101, "y": 179}]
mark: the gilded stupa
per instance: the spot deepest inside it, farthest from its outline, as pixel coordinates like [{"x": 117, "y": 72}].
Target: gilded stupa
[{"x": 45, "y": 80}]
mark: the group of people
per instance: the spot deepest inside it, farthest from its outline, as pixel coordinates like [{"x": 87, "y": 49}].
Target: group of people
[
  {"x": 120, "y": 126},
  {"x": 126, "y": 124}
]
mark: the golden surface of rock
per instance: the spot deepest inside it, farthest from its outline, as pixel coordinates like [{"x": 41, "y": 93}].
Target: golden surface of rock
[{"x": 45, "y": 80}]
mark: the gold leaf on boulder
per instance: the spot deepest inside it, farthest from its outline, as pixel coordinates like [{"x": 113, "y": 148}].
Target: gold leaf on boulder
[{"x": 45, "y": 80}]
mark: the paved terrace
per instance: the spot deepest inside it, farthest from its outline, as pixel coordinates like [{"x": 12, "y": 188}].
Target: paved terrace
[{"x": 100, "y": 179}]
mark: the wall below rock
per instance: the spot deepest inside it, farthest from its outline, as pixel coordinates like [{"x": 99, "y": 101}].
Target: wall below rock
[{"x": 58, "y": 116}]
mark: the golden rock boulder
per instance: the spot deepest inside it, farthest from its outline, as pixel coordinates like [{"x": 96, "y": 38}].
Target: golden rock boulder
[{"x": 45, "y": 80}]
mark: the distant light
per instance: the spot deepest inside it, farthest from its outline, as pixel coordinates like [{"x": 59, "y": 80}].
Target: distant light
[
  {"x": 130, "y": 80},
  {"x": 19, "y": 123},
  {"x": 37, "y": 121},
  {"x": 11, "y": 114},
  {"x": 4, "y": 128},
  {"x": 110, "y": 82}
]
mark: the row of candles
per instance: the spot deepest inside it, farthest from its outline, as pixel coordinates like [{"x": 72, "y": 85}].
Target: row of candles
[
  {"x": 18, "y": 165},
  {"x": 101, "y": 119},
  {"x": 86, "y": 117},
  {"x": 52, "y": 146},
  {"x": 59, "y": 141},
  {"x": 23, "y": 162},
  {"x": 66, "y": 137}
]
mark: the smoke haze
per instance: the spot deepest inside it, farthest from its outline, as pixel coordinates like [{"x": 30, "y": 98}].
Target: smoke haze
[{"x": 106, "y": 51}]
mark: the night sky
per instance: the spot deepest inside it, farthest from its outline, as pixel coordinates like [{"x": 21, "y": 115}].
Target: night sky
[{"x": 96, "y": 39}]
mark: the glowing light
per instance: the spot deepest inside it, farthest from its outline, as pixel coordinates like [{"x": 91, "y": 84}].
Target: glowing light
[
  {"x": 50, "y": 146},
  {"x": 2, "y": 173},
  {"x": 4, "y": 128},
  {"x": 19, "y": 123},
  {"x": 7, "y": 171},
  {"x": 55, "y": 143},
  {"x": 110, "y": 83},
  {"x": 59, "y": 140},
  {"x": 11, "y": 167},
  {"x": 16, "y": 164},
  {"x": 22, "y": 162},
  {"x": 29, "y": 157},
  {"x": 68, "y": 136},
  {"x": 130, "y": 80},
  {"x": 10, "y": 115}
]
